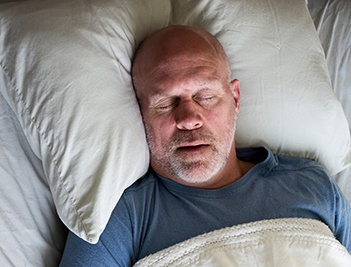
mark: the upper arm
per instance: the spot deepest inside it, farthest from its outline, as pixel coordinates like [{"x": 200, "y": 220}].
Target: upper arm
[{"x": 114, "y": 248}]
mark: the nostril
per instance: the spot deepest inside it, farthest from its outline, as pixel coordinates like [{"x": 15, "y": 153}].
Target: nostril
[{"x": 189, "y": 123}]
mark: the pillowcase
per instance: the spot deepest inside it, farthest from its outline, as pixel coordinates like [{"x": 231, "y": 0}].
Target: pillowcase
[{"x": 65, "y": 71}]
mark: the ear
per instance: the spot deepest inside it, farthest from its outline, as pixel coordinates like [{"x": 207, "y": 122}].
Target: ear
[{"x": 235, "y": 88}]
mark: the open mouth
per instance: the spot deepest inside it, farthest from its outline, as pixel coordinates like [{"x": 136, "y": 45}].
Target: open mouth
[{"x": 193, "y": 147}]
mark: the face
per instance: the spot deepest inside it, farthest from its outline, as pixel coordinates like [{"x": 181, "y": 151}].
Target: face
[{"x": 189, "y": 107}]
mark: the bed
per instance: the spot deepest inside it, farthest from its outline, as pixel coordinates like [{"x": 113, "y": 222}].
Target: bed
[{"x": 72, "y": 139}]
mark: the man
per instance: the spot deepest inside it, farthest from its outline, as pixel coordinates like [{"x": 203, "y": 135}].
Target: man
[{"x": 198, "y": 181}]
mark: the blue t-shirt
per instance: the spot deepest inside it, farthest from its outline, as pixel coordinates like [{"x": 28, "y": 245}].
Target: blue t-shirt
[{"x": 155, "y": 213}]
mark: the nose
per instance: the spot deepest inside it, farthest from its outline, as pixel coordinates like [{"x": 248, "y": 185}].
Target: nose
[{"x": 188, "y": 116}]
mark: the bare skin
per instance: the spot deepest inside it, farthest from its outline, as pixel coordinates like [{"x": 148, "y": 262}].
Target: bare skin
[{"x": 189, "y": 106}]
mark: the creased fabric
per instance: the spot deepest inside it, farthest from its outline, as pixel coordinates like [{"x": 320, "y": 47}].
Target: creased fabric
[{"x": 279, "y": 242}]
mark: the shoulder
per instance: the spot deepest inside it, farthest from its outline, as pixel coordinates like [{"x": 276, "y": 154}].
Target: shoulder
[
  {"x": 302, "y": 170},
  {"x": 289, "y": 163},
  {"x": 146, "y": 183},
  {"x": 270, "y": 163},
  {"x": 141, "y": 194}
]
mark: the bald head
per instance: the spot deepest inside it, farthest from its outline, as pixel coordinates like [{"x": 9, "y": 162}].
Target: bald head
[{"x": 176, "y": 44}]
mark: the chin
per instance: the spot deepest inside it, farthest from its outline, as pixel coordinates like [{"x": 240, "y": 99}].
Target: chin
[{"x": 198, "y": 176}]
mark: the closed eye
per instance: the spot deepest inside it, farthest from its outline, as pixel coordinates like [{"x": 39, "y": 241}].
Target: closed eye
[
  {"x": 164, "y": 107},
  {"x": 166, "y": 104},
  {"x": 206, "y": 99},
  {"x": 207, "y": 95}
]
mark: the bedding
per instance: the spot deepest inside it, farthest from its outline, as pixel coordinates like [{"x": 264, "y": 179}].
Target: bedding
[
  {"x": 332, "y": 20},
  {"x": 31, "y": 233},
  {"x": 280, "y": 242},
  {"x": 71, "y": 137}
]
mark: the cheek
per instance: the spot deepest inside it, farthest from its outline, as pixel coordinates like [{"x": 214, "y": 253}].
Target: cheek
[
  {"x": 219, "y": 115},
  {"x": 222, "y": 119},
  {"x": 159, "y": 130}
]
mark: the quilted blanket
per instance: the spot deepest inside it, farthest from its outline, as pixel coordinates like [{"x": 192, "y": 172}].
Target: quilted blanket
[{"x": 280, "y": 242}]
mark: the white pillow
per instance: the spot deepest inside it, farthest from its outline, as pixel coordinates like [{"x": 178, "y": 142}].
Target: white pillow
[{"x": 66, "y": 74}]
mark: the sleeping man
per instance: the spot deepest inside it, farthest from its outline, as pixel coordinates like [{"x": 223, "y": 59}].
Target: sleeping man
[{"x": 198, "y": 180}]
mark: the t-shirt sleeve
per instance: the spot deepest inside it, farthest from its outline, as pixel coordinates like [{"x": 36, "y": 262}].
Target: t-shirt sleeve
[{"x": 115, "y": 246}]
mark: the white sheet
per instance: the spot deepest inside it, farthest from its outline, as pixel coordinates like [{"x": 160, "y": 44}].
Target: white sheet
[
  {"x": 333, "y": 23},
  {"x": 281, "y": 242},
  {"x": 31, "y": 233}
]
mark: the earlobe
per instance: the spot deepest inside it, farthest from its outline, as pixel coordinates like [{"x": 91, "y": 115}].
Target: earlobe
[{"x": 235, "y": 87}]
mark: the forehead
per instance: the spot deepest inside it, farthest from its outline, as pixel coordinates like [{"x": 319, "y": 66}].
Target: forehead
[
  {"x": 180, "y": 76},
  {"x": 183, "y": 67}
]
